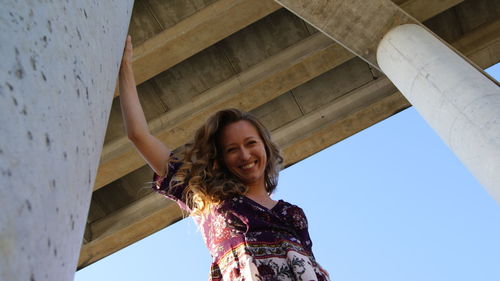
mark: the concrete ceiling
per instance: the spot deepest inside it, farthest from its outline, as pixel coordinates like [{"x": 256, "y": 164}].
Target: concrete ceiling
[{"x": 192, "y": 58}]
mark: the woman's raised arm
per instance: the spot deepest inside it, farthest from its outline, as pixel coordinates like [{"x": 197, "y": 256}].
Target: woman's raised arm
[{"x": 151, "y": 149}]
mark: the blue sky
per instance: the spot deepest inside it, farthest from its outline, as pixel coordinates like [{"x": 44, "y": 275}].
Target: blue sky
[{"x": 389, "y": 203}]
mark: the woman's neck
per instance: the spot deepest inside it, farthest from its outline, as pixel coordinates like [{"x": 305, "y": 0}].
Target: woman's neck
[
  {"x": 261, "y": 196},
  {"x": 258, "y": 193}
]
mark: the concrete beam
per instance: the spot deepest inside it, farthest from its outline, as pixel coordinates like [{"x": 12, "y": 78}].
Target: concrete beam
[
  {"x": 482, "y": 45},
  {"x": 195, "y": 33},
  {"x": 363, "y": 24},
  {"x": 423, "y": 10},
  {"x": 357, "y": 25},
  {"x": 221, "y": 19},
  {"x": 125, "y": 227},
  {"x": 340, "y": 119}
]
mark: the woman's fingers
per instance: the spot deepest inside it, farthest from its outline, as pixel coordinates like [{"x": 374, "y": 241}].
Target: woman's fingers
[
  {"x": 127, "y": 52},
  {"x": 129, "y": 42}
]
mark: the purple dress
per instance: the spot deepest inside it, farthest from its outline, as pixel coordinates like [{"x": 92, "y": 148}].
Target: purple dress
[{"x": 248, "y": 241}]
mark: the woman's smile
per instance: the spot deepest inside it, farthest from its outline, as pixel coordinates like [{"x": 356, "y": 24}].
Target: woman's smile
[{"x": 249, "y": 166}]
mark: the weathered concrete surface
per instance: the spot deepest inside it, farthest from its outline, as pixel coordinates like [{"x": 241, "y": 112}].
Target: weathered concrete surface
[
  {"x": 357, "y": 25},
  {"x": 459, "y": 102},
  {"x": 57, "y": 76}
]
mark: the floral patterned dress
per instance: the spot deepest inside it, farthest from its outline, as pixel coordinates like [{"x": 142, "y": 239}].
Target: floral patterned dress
[{"x": 248, "y": 241}]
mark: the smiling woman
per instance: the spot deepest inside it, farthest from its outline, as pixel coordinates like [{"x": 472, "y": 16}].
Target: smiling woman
[
  {"x": 224, "y": 179},
  {"x": 245, "y": 157},
  {"x": 232, "y": 154}
]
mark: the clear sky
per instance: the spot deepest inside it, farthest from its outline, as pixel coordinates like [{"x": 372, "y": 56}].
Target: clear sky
[{"x": 390, "y": 203}]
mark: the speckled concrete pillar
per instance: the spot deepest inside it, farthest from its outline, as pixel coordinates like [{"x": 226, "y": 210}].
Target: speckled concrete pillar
[
  {"x": 58, "y": 71},
  {"x": 460, "y": 103}
]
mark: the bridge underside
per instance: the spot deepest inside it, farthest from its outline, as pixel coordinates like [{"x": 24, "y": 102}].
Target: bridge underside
[{"x": 195, "y": 57}]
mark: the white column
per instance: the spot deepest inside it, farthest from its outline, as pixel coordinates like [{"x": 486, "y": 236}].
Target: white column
[
  {"x": 460, "y": 103},
  {"x": 59, "y": 66}
]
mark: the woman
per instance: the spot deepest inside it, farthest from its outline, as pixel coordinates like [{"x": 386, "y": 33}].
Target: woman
[{"x": 224, "y": 180}]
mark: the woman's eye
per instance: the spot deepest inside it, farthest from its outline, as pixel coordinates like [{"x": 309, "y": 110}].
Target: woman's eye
[{"x": 252, "y": 142}]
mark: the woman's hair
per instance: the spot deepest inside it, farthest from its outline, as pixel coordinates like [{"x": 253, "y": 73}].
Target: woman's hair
[{"x": 203, "y": 171}]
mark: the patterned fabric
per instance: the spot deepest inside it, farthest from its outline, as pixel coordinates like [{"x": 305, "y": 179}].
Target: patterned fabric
[{"x": 248, "y": 241}]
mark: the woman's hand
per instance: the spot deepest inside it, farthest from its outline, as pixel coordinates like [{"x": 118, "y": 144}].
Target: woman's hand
[{"x": 127, "y": 54}]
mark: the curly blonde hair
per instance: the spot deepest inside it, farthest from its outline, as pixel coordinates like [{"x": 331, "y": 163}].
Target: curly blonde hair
[{"x": 204, "y": 173}]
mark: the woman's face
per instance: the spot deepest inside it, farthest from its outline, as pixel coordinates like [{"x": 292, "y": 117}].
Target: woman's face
[{"x": 244, "y": 152}]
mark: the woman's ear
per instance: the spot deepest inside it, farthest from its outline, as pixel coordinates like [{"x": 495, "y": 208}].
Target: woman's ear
[{"x": 216, "y": 165}]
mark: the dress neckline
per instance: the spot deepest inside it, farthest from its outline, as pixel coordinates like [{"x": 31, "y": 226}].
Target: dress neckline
[{"x": 262, "y": 206}]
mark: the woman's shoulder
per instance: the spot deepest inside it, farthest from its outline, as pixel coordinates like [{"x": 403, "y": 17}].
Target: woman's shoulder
[
  {"x": 287, "y": 207},
  {"x": 286, "y": 203},
  {"x": 293, "y": 214}
]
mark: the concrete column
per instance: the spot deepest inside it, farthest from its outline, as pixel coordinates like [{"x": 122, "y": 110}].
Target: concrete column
[
  {"x": 59, "y": 66},
  {"x": 460, "y": 103}
]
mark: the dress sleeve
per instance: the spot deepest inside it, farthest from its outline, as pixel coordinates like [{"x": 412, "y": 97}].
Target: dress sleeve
[{"x": 168, "y": 185}]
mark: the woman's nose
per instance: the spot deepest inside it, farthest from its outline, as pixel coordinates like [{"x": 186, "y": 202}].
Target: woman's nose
[{"x": 244, "y": 154}]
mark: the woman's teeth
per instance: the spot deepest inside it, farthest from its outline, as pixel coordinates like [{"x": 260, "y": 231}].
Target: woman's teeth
[{"x": 249, "y": 166}]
